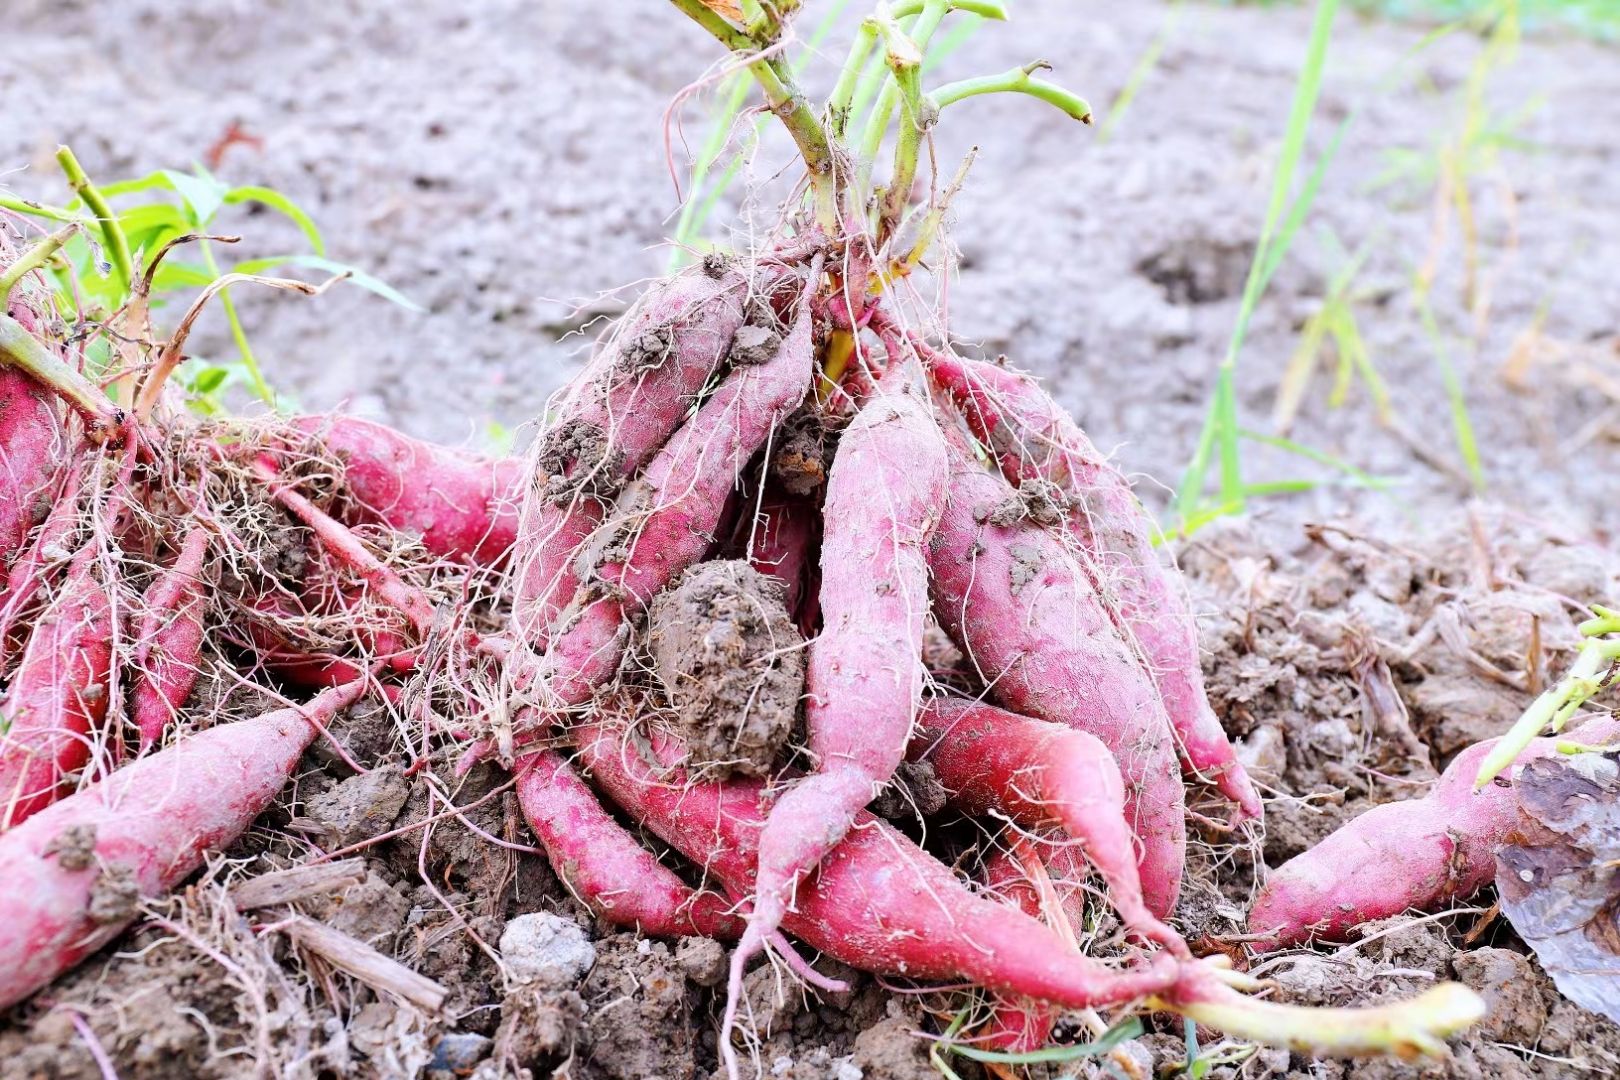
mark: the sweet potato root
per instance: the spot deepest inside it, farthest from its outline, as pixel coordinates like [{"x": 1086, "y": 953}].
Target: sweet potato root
[
  {"x": 1405, "y": 856},
  {"x": 667, "y": 518},
  {"x": 1034, "y": 438},
  {"x": 144, "y": 828},
  {"x": 604, "y": 865},
  {"x": 865, "y": 675},
  {"x": 1039, "y": 774},
  {"x": 624, "y": 407},
  {"x": 33, "y": 448},
  {"x": 169, "y": 638},
  {"x": 463, "y": 506},
  {"x": 877, "y": 901},
  {"x": 1019, "y": 605},
  {"x": 58, "y": 695}
]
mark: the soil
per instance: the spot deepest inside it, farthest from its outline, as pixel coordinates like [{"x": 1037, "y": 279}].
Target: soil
[
  {"x": 731, "y": 664},
  {"x": 472, "y": 158}
]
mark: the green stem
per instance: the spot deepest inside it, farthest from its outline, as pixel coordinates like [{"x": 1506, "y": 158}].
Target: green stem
[
  {"x": 30, "y": 208},
  {"x": 1020, "y": 80},
  {"x": 904, "y": 59},
  {"x": 20, "y": 349},
  {"x": 32, "y": 259},
  {"x": 786, "y": 100},
  {"x": 920, "y": 32},
  {"x": 111, "y": 231},
  {"x": 838, "y": 105},
  {"x": 1556, "y": 703}
]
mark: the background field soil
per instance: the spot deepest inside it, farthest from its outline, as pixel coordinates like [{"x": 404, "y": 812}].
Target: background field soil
[{"x": 504, "y": 165}]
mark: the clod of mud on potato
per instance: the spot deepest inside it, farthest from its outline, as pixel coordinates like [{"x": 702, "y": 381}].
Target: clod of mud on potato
[
  {"x": 732, "y": 664},
  {"x": 803, "y": 453}
]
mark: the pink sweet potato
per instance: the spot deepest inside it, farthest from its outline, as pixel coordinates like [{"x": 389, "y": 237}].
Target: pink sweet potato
[
  {"x": 1013, "y": 597},
  {"x": 779, "y": 540},
  {"x": 149, "y": 824},
  {"x": 168, "y": 639},
  {"x": 58, "y": 695},
  {"x": 865, "y": 675},
  {"x": 1038, "y": 774},
  {"x": 624, "y": 406},
  {"x": 462, "y": 506},
  {"x": 666, "y": 519},
  {"x": 877, "y": 902},
  {"x": 1034, "y": 438},
  {"x": 33, "y": 448},
  {"x": 603, "y": 865},
  {"x": 1414, "y": 855},
  {"x": 31, "y": 571}
]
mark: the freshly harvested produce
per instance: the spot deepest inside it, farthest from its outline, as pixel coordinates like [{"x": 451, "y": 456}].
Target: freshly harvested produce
[
  {"x": 706, "y": 594},
  {"x": 462, "y": 506},
  {"x": 139, "y": 833},
  {"x": 1415, "y": 855},
  {"x": 1026, "y": 615}
]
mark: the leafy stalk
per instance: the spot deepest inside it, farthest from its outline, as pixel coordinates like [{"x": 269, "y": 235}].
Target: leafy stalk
[{"x": 111, "y": 231}]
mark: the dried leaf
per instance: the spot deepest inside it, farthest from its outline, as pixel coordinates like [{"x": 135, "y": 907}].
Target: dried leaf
[
  {"x": 726, "y": 9},
  {"x": 1559, "y": 874}
]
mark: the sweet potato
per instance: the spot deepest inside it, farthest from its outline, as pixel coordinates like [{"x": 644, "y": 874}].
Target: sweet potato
[
  {"x": 1036, "y": 774},
  {"x": 142, "y": 829},
  {"x": 603, "y": 865},
  {"x": 1405, "y": 856},
  {"x": 1034, "y": 439},
  {"x": 1013, "y": 597},
  {"x": 624, "y": 406},
  {"x": 58, "y": 695},
  {"x": 877, "y": 902},
  {"x": 865, "y": 675},
  {"x": 779, "y": 540},
  {"x": 33, "y": 448},
  {"x": 168, "y": 639},
  {"x": 31, "y": 571},
  {"x": 666, "y": 519},
  {"x": 462, "y": 506}
]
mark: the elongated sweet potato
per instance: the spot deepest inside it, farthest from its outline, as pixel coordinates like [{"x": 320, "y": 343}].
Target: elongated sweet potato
[
  {"x": 168, "y": 640},
  {"x": 33, "y": 448},
  {"x": 666, "y": 519},
  {"x": 463, "y": 506},
  {"x": 877, "y": 901},
  {"x": 623, "y": 407},
  {"x": 1039, "y": 774},
  {"x": 604, "y": 865},
  {"x": 146, "y": 826},
  {"x": 1034, "y": 438},
  {"x": 865, "y": 674},
  {"x": 1404, "y": 856},
  {"x": 58, "y": 695},
  {"x": 1012, "y": 596}
]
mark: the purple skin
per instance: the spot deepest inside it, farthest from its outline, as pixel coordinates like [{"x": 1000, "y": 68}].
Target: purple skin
[
  {"x": 865, "y": 674},
  {"x": 1019, "y": 605},
  {"x": 633, "y": 409},
  {"x": 1415, "y": 855},
  {"x": 675, "y": 507},
  {"x": 155, "y": 820},
  {"x": 1033, "y": 438},
  {"x": 169, "y": 639},
  {"x": 605, "y": 866}
]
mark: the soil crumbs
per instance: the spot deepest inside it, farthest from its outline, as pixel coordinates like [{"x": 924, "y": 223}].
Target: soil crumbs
[{"x": 1348, "y": 667}]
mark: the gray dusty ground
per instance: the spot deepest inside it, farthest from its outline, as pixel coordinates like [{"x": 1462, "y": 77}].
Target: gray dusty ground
[{"x": 503, "y": 163}]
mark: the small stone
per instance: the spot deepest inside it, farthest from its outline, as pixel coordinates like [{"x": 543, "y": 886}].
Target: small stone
[
  {"x": 361, "y": 806},
  {"x": 459, "y": 1051},
  {"x": 547, "y": 951},
  {"x": 1515, "y": 1009}
]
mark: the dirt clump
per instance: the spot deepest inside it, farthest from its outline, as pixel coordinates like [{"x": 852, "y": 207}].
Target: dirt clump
[{"x": 731, "y": 664}]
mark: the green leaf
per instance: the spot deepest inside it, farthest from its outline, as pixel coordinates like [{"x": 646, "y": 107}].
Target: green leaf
[
  {"x": 318, "y": 262},
  {"x": 203, "y": 195},
  {"x": 173, "y": 274},
  {"x": 210, "y": 379},
  {"x": 148, "y": 182},
  {"x": 284, "y": 206}
]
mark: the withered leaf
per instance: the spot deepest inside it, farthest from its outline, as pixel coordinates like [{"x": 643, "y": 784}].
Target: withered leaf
[{"x": 1559, "y": 874}]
